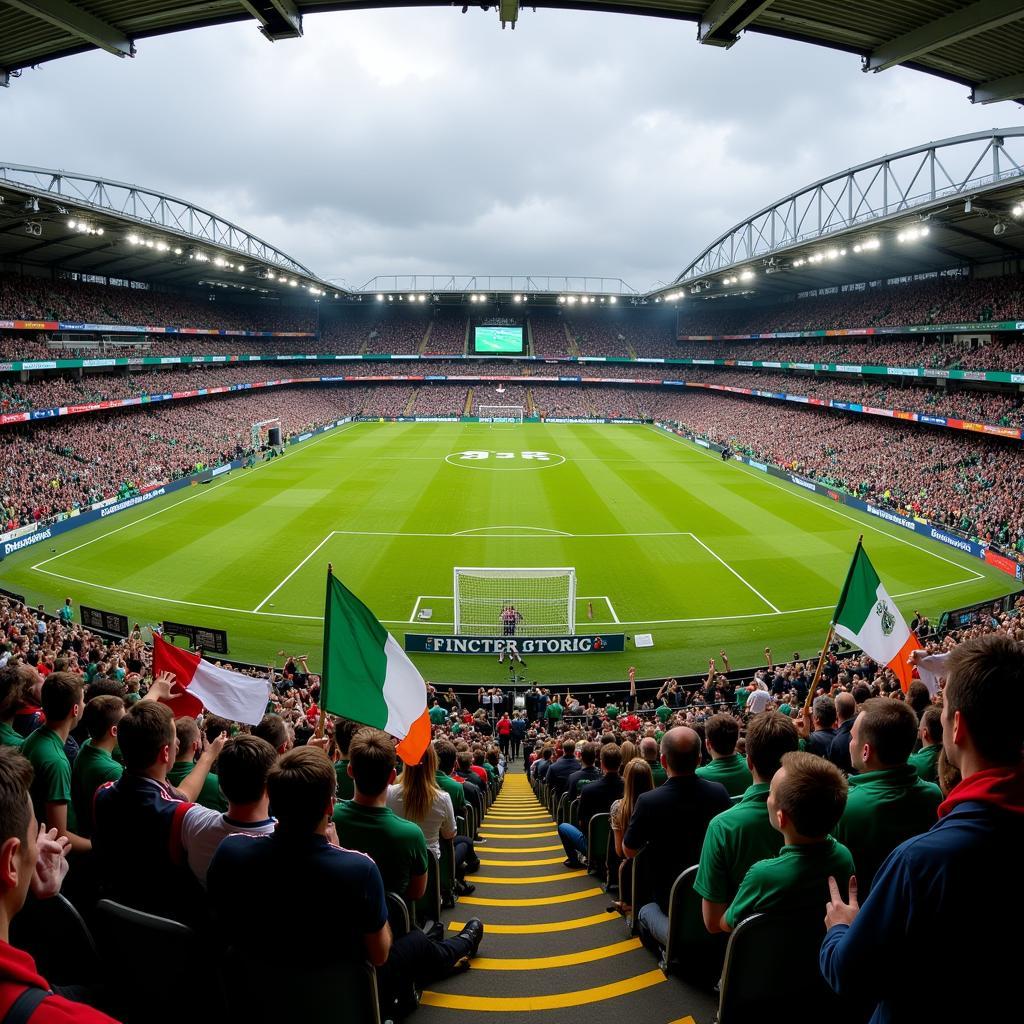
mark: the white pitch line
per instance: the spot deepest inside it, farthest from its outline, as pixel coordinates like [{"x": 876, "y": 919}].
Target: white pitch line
[
  {"x": 482, "y": 529},
  {"x": 522, "y": 536},
  {"x": 293, "y": 572},
  {"x": 750, "y": 586},
  {"x": 611, "y": 608},
  {"x": 415, "y": 609},
  {"x": 829, "y": 507},
  {"x": 404, "y": 622},
  {"x": 175, "y": 504}
]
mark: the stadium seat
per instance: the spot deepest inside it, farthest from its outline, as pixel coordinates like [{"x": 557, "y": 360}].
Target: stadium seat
[
  {"x": 428, "y": 907},
  {"x": 771, "y": 974},
  {"x": 125, "y": 932},
  {"x": 398, "y": 914},
  {"x": 598, "y": 833},
  {"x": 74, "y": 959},
  {"x": 639, "y": 887},
  {"x": 343, "y": 992},
  {"x": 446, "y": 871},
  {"x": 692, "y": 951},
  {"x": 574, "y": 813},
  {"x": 562, "y": 810}
]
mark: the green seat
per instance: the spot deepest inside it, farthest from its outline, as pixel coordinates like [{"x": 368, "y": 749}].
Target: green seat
[
  {"x": 472, "y": 826},
  {"x": 599, "y": 832},
  {"x": 574, "y": 813},
  {"x": 765, "y": 953},
  {"x": 428, "y": 906},
  {"x": 640, "y": 887},
  {"x": 446, "y": 868},
  {"x": 562, "y": 810},
  {"x": 692, "y": 951}
]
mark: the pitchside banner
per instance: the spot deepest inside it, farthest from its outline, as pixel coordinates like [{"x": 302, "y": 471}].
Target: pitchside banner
[{"x": 585, "y": 643}]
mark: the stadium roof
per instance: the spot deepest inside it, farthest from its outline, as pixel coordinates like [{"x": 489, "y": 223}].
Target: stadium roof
[
  {"x": 109, "y": 228},
  {"x": 978, "y": 44},
  {"x": 956, "y": 202}
]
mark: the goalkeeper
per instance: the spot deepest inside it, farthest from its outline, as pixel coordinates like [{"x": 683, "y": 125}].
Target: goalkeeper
[{"x": 510, "y": 619}]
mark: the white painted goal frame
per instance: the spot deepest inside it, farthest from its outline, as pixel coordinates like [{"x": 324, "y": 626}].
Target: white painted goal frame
[
  {"x": 544, "y": 598},
  {"x": 500, "y": 413}
]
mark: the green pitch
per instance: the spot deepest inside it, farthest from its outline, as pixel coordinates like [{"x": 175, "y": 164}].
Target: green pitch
[{"x": 664, "y": 537}]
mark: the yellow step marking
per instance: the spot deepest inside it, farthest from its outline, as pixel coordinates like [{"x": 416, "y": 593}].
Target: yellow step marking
[
  {"x": 541, "y": 928},
  {"x": 502, "y": 824},
  {"x": 541, "y": 963},
  {"x": 684, "y": 1020},
  {"x": 501, "y": 819},
  {"x": 519, "y": 849},
  {"x": 558, "y": 1001},
  {"x": 532, "y": 880},
  {"x": 532, "y": 901},
  {"x": 520, "y": 863},
  {"x": 522, "y": 835}
]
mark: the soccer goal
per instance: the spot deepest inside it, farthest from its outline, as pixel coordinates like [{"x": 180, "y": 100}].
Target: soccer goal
[
  {"x": 500, "y": 414},
  {"x": 514, "y": 602}
]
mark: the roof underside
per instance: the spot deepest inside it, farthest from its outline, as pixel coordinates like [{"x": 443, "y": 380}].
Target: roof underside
[{"x": 979, "y": 43}]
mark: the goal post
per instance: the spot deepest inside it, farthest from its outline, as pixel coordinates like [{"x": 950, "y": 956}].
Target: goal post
[
  {"x": 500, "y": 413},
  {"x": 493, "y": 601}
]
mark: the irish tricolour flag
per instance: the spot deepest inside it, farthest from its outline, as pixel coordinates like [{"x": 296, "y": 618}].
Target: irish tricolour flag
[
  {"x": 868, "y": 617},
  {"x": 368, "y": 678}
]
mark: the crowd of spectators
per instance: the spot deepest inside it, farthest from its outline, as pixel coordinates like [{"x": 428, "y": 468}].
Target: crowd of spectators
[
  {"x": 447, "y": 333},
  {"x": 1001, "y": 408},
  {"x": 397, "y": 332},
  {"x": 31, "y": 298},
  {"x": 961, "y": 480},
  {"x": 548, "y": 333},
  {"x": 940, "y": 300}
]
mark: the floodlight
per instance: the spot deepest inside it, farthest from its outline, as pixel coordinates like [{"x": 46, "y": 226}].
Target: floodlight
[
  {"x": 72, "y": 224},
  {"x": 99, "y": 231},
  {"x": 380, "y": 298},
  {"x": 177, "y": 252},
  {"x": 613, "y": 300},
  {"x": 240, "y": 268},
  {"x": 1018, "y": 210}
]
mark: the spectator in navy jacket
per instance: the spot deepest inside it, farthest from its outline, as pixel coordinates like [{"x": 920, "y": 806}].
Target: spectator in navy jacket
[{"x": 955, "y": 888}]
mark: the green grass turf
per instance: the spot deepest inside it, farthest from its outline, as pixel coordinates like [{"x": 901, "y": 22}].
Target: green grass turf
[{"x": 694, "y": 550}]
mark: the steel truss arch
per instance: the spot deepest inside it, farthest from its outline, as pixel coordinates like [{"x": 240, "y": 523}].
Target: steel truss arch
[
  {"x": 914, "y": 181},
  {"x": 147, "y": 210}
]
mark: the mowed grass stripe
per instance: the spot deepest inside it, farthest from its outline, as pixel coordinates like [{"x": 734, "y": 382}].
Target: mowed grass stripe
[
  {"x": 797, "y": 557},
  {"x": 559, "y": 1001}
]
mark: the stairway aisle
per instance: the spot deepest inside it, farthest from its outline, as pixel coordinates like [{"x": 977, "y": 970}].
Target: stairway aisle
[{"x": 552, "y": 952}]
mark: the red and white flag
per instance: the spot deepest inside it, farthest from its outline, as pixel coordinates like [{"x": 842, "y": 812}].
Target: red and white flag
[{"x": 201, "y": 684}]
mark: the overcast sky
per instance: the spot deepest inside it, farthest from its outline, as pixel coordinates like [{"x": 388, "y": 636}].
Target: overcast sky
[{"x": 425, "y": 141}]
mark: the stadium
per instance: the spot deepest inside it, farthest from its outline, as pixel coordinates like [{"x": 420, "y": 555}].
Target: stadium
[{"x": 734, "y": 530}]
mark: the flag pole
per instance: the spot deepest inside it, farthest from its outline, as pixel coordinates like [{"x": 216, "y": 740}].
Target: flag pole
[
  {"x": 831, "y": 632},
  {"x": 322, "y": 721}
]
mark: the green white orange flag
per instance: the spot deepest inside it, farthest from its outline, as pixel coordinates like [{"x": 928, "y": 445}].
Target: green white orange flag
[
  {"x": 868, "y": 617},
  {"x": 368, "y": 678}
]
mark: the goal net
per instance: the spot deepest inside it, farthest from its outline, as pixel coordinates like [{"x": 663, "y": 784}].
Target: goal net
[
  {"x": 266, "y": 432},
  {"x": 500, "y": 413},
  {"x": 514, "y": 602}
]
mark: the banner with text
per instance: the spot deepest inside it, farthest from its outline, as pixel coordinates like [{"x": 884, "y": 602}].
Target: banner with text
[{"x": 584, "y": 643}]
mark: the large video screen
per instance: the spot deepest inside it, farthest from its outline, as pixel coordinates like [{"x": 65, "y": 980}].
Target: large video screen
[{"x": 503, "y": 340}]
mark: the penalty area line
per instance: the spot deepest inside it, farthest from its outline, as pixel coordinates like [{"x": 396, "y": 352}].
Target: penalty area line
[
  {"x": 750, "y": 586},
  {"x": 293, "y": 572}
]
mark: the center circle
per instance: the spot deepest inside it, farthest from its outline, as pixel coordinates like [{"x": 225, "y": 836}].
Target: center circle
[{"x": 504, "y": 461}]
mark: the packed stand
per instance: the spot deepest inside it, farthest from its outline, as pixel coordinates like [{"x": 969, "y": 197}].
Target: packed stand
[
  {"x": 547, "y": 329},
  {"x": 397, "y": 332},
  {"x": 447, "y": 333}
]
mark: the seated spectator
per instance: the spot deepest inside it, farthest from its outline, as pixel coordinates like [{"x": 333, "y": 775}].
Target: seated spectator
[
  {"x": 839, "y": 749},
  {"x": 721, "y": 733},
  {"x": 95, "y": 765},
  {"x": 29, "y": 858},
  {"x": 366, "y": 822},
  {"x": 10, "y": 701},
  {"x": 62, "y": 703},
  {"x": 139, "y": 819},
  {"x": 542, "y": 765},
  {"x": 244, "y": 763},
  {"x": 818, "y": 739},
  {"x": 558, "y": 774},
  {"x": 596, "y": 798},
  {"x": 276, "y": 731},
  {"x": 190, "y": 746},
  {"x": 447, "y": 756},
  {"x": 741, "y": 836},
  {"x": 925, "y": 761},
  {"x": 806, "y": 799},
  {"x": 670, "y": 822},
  {"x": 933, "y": 885},
  {"x": 649, "y": 752},
  {"x": 344, "y": 730},
  {"x": 637, "y": 779},
  {"x": 588, "y": 773},
  {"x": 301, "y": 789},
  {"x": 418, "y": 798},
  {"x": 887, "y": 803}
]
